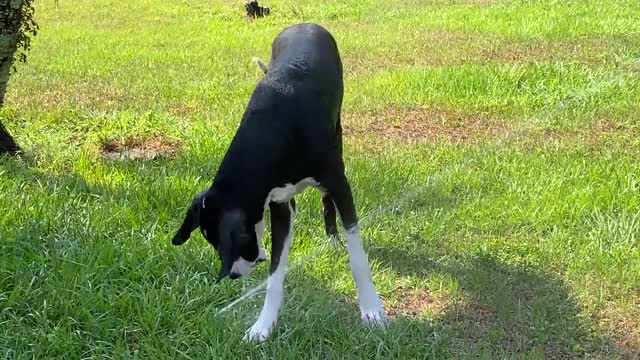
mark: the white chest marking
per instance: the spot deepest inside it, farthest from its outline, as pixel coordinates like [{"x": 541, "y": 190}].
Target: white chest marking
[{"x": 288, "y": 191}]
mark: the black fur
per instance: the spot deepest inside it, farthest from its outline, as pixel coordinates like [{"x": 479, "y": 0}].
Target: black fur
[
  {"x": 290, "y": 130},
  {"x": 280, "y": 223},
  {"x": 254, "y": 10}
]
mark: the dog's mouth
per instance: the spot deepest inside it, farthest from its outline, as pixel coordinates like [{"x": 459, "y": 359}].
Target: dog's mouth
[
  {"x": 242, "y": 267},
  {"x": 234, "y": 276}
]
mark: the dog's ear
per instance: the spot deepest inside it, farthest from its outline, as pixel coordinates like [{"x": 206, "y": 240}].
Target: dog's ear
[
  {"x": 225, "y": 248},
  {"x": 233, "y": 236},
  {"x": 191, "y": 220}
]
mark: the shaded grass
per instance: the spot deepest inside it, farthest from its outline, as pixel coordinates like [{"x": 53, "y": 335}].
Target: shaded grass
[{"x": 119, "y": 257}]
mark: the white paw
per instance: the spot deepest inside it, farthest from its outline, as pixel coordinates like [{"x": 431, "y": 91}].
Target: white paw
[
  {"x": 258, "y": 333},
  {"x": 374, "y": 317}
]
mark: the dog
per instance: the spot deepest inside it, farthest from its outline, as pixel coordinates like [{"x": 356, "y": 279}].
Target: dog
[{"x": 289, "y": 138}]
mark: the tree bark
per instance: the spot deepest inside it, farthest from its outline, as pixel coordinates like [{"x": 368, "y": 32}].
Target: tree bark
[{"x": 10, "y": 20}]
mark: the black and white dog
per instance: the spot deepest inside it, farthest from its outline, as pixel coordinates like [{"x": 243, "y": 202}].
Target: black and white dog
[{"x": 289, "y": 138}]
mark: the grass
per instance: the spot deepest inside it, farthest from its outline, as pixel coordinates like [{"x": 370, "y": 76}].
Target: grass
[{"x": 523, "y": 243}]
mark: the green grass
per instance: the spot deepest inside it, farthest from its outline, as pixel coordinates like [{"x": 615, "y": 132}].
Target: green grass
[{"x": 520, "y": 243}]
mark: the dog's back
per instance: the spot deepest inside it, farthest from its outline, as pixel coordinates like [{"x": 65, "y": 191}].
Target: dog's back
[
  {"x": 293, "y": 117},
  {"x": 306, "y": 58}
]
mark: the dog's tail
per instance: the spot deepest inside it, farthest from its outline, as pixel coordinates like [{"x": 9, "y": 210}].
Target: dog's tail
[{"x": 260, "y": 63}]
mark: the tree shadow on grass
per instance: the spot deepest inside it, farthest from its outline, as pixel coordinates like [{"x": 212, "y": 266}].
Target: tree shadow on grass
[
  {"x": 507, "y": 310},
  {"x": 316, "y": 322}
]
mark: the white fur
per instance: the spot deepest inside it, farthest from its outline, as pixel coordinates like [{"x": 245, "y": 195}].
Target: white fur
[
  {"x": 288, "y": 191},
  {"x": 280, "y": 195},
  {"x": 259, "y": 228},
  {"x": 262, "y": 328},
  {"x": 371, "y": 308},
  {"x": 242, "y": 267}
]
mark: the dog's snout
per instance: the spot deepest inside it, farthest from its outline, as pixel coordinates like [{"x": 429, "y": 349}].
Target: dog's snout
[{"x": 234, "y": 276}]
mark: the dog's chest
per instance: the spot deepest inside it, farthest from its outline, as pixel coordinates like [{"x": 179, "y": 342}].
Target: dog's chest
[{"x": 286, "y": 192}]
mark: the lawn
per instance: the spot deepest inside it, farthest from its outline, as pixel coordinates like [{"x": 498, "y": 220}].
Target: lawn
[{"x": 493, "y": 148}]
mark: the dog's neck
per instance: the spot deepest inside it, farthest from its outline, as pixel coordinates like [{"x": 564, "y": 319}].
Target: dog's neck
[
  {"x": 245, "y": 183},
  {"x": 258, "y": 157}
]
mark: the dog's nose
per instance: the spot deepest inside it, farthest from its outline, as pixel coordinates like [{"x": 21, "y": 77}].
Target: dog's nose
[{"x": 234, "y": 276}]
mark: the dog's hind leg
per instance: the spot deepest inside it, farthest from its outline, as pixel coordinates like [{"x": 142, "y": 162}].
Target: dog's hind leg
[
  {"x": 329, "y": 214},
  {"x": 282, "y": 215},
  {"x": 371, "y": 308},
  {"x": 329, "y": 208}
]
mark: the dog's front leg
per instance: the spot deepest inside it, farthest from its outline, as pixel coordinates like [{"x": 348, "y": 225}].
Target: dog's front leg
[{"x": 281, "y": 234}]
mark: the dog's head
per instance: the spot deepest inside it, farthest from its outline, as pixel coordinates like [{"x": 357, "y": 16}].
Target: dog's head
[{"x": 226, "y": 229}]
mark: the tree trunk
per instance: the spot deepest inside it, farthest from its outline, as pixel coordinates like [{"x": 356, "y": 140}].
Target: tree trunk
[{"x": 10, "y": 20}]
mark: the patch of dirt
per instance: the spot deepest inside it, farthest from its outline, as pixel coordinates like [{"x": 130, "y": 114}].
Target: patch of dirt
[
  {"x": 624, "y": 331},
  {"x": 415, "y": 303},
  {"x": 586, "y": 51},
  {"x": 424, "y": 124},
  {"x": 91, "y": 95},
  {"x": 600, "y": 133},
  {"x": 475, "y": 318},
  {"x": 133, "y": 148},
  {"x": 438, "y": 48},
  {"x": 183, "y": 109},
  {"x": 470, "y": 310}
]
